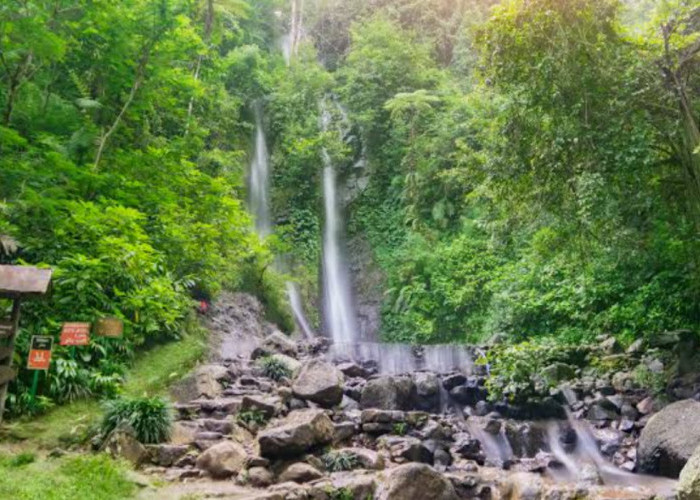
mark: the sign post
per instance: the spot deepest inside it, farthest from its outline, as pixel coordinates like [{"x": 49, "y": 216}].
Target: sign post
[
  {"x": 16, "y": 283},
  {"x": 39, "y": 359},
  {"x": 74, "y": 334}
]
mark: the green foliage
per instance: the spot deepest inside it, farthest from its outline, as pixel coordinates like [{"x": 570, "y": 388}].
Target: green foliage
[
  {"x": 149, "y": 418},
  {"x": 251, "y": 417},
  {"x": 340, "y": 493},
  {"x": 337, "y": 461},
  {"x": 21, "y": 459},
  {"x": 123, "y": 139},
  {"x": 399, "y": 428},
  {"x": 515, "y": 370},
  {"x": 274, "y": 368},
  {"x": 90, "y": 477}
]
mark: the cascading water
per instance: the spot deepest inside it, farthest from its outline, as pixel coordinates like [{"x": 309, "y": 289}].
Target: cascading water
[
  {"x": 259, "y": 178},
  {"x": 259, "y": 202},
  {"x": 290, "y": 42},
  {"x": 339, "y": 312}
]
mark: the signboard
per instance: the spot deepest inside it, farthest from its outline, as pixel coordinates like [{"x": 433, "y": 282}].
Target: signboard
[
  {"x": 109, "y": 327},
  {"x": 40, "y": 353},
  {"x": 6, "y": 329},
  {"x": 75, "y": 334}
]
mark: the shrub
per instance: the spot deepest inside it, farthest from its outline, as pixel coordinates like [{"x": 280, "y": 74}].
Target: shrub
[
  {"x": 337, "y": 461},
  {"x": 149, "y": 418},
  {"x": 21, "y": 459},
  {"x": 250, "y": 417},
  {"x": 399, "y": 428},
  {"x": 274, "y": 368},
  {"x": 514, "y": 369}
]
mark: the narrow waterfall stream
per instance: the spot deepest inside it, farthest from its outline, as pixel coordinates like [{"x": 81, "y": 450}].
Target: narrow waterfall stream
[
  {"x": 259, "y": 202},
  {"x": 259, "y": 178},
  {"x": 339, "y": 313}
]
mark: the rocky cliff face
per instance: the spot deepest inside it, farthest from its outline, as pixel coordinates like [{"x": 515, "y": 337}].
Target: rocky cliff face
[{"x": 268, "y": 417}]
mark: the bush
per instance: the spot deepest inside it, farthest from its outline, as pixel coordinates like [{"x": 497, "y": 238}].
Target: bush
[
  {"x": 514, "y": 369},
  {"x": 251, "y": 417},
  {"x": 274, "y": 368},
  {"x": 149, "y": 418},
  {"x": 337, "y": 461}
]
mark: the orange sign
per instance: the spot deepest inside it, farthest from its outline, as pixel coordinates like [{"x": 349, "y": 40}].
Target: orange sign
[
  {"x": 40, "y": 353},
  {"x": 75, "y": 334}
]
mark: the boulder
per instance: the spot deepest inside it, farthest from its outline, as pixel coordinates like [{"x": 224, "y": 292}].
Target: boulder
[
  {"x": 121, "y": 443},
  {"x": 689, "y": 481},
  {"x": 267, "y": 405},
  {"x": 611, "y": 346},
  {"x": 407, "y": 449},
  {"x": 366, "y": 458},
  {"x": 412, "y": 481},
  {"x": 670, "y": 438},
  {"x": 388, "y": 393},
  {"x": 298, "y": 432},
  {"x": 353, "y": 370},
  {"x": 427, "y": 392},
  {"x": 279, "y": 342},
  {"x": 319, "y": 382},
  {"x": 223, "y": 460},
  {"x": 166, "y": 455},
  {"x": 260, "y": 477},
  {"x": 299, "y": 472}
]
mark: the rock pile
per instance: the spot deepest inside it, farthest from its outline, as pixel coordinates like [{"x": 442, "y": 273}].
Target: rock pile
[{"x": 343, "y": 431}]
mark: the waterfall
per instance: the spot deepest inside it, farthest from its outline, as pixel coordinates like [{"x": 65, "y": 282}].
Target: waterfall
[
  {"x": 298, "y": 310},
  {"x": 259, "y": 203},
  {"x": 290, "y": 41},
  {"x": 259, "y": 178},
  {"x": 339, "y": 312}
]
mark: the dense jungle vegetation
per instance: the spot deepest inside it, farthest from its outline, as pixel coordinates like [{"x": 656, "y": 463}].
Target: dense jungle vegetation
[{"x": 530, "y": 168}]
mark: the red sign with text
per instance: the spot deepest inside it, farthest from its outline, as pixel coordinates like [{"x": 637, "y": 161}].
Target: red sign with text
[
  {"x": 75, "y": 334},
  {"x": 40, "y": 353}
]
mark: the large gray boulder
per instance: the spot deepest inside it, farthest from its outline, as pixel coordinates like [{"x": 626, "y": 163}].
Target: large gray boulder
[
  {"x": 388, "y": 393},
  {"x": 669, "y": 439},
  {"x": 413, "y": 481},
  {"x": 689, "y": 481},
  {"x": 319, "y": 382},
  {"x": 223, "y": 460},
  {"x": 427, "y": 392},
  {"x": 298, "y": 432}
]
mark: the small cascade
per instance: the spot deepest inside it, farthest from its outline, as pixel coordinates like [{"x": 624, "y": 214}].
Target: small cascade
[
  {"x": 298, "y": 310},
  {"x": 496, "y": 447},
  {"x": 405, "y": 358}
]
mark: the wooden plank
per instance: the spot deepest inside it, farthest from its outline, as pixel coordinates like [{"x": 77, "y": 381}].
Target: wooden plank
[
  {"x": 5, "y": 352},
  {"x": 6, "y": 374},
  {"x": 17, "y": 281}
]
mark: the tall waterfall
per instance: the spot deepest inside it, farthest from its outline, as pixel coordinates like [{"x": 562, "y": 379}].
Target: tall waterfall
[
  {"x": 339, "y": 312},
  {"x": 259, "y": 178},
  {"x": 259, "y": 202},
  {"x": 290, "y": 42}
]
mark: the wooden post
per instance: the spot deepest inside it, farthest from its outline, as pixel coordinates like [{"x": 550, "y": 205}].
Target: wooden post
[{"x": 7, "y": 362}]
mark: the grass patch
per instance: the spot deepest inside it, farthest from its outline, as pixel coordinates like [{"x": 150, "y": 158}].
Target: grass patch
[
  {"x": 152, "y": 373},
  {"x": 86, "y": 477}
]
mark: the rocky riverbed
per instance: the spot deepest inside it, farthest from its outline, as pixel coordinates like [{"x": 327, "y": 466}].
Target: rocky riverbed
[{"x": 341, "y": 430}]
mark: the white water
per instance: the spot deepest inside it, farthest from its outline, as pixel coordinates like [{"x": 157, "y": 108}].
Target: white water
[
  {"x": 404, "y": 358},
  {"x": 290, "y": 42},
  {"x": 298, "y": 310},
  {"x": 259, "y": 203},
  {"x": 259, "y": 179},
  {"x": 339, "y": 312}
]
